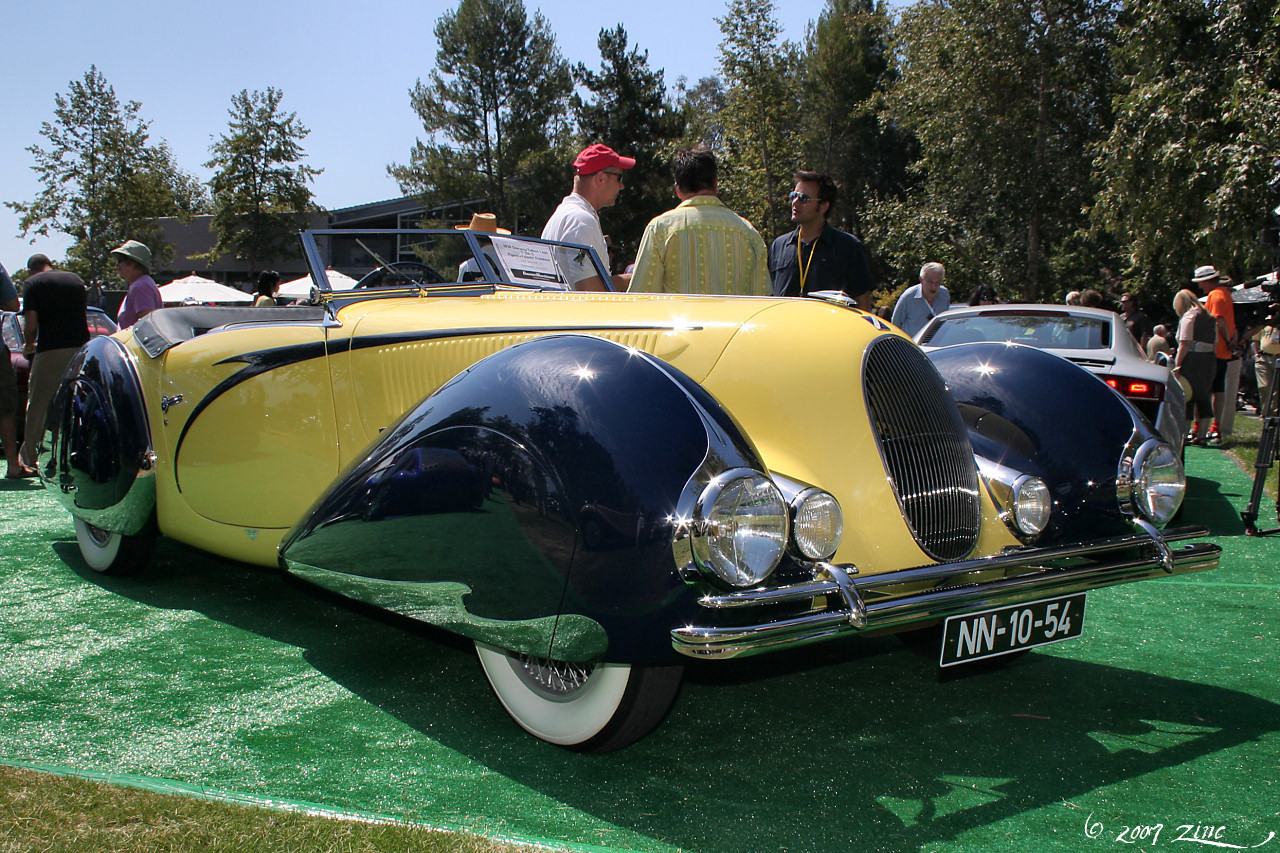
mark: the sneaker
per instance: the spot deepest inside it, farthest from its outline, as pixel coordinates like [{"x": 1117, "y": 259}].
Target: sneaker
[
  {"x": 1214, "y": 438},
  {"x": 1193, "y": 436}
]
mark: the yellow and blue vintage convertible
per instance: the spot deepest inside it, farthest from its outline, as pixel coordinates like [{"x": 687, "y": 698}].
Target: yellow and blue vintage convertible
[{"x": 595, "y": 487}]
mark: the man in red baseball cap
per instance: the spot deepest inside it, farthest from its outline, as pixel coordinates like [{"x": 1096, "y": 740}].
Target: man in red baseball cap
[{"x": 597, "y": 180}]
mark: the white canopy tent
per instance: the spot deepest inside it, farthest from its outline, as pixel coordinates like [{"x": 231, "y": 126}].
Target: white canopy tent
[
  {"x": 301, "y": 287},
  {"x": 194, "y": 288}
]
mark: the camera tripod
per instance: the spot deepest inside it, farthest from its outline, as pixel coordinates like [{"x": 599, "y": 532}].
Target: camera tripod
[{"x": 1270, "y": 415}]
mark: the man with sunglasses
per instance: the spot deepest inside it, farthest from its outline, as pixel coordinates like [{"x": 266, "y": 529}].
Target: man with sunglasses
[
  {"x": 817, "y": 256},
  {"x": 597, "y": 180}
]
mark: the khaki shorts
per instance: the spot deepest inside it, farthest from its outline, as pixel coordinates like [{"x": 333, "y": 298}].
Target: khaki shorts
[{"x": 8, "y": 386}]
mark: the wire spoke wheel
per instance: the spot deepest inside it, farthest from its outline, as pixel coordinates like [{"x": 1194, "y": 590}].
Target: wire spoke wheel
[{"x": 587, "y": 707}]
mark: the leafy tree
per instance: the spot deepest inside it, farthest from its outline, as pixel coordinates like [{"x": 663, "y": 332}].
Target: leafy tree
[
  {"x": 1008, "y": 98},
  {"x": 761, "y": 103},
  {"x": 629, "y": 111},
  {"x": 1186, "y": 167},
  {"x": 260, "y": 192},
  {"x": 849, "y": 67},
  {"x": 703, "y": 109},
  {"x": 103, "y": 182},
  {"x": 492, "y": 111}
]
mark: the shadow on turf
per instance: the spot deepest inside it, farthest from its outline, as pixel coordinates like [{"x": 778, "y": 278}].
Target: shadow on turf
[{"x": 856, "y": 744}]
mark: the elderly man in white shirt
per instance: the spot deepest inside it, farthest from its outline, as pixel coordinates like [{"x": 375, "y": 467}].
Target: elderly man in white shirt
[{"x": 920, "y": 302}]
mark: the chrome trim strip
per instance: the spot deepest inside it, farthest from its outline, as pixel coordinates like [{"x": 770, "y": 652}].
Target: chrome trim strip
[{"x": 856, "y": 613}]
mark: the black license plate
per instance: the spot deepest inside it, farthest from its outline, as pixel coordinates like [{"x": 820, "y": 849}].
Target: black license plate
[{"x": 975, "y": 636}]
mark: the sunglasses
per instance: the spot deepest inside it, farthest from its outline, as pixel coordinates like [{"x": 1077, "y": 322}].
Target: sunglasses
[
  {"x": 617, "y": 175},
  {"x": 803, "y": 198}
]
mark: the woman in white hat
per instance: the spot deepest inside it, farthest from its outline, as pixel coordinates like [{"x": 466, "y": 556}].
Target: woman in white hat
[
  {"x": 133, "y": 263},
  {"x": 1195, "y": 361}
]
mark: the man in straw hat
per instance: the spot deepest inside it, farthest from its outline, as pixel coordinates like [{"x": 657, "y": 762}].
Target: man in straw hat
[
  {"x": 133, "y": 263},
  {"x": 1226, "y": 380},
  {"x": 484, "y": 223},
  {"x": 597, "y": 180}
]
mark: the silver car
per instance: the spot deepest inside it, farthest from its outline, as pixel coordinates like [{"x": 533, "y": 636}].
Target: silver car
[{"x": 1094, "y": 338}]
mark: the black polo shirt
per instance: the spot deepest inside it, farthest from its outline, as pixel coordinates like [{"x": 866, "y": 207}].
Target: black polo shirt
[
  {"x": 839, "y": 262},
  {"x": 57, "y": 297}
]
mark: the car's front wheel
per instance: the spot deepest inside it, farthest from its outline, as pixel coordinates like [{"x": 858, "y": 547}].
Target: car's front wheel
[
  {"x": 112, "y": 553},
  {"x": 583, "y": 707}
]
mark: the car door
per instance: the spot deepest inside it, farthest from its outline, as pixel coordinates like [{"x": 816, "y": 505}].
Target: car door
[{"x": 248, "y": 422}]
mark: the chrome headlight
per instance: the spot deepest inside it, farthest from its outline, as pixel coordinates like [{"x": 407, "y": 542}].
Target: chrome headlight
[
  {"x": 1024, "y": 500},
  {"x": 741, "y": 528},
  {"x": 1157, "y": 481},
  {"x": 817, "y": 523},
  {"x": 1032, "y": 504}
]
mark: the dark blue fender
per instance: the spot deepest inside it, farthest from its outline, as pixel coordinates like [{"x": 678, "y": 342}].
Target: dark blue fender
[
  {"x": 1043, "y": 415},
  {"x": 529, "y": 503},
  {"x": 100, "y": 461}
]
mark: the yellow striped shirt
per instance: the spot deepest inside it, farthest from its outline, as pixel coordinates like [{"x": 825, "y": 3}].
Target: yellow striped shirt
[{"x": 701, "y": 246}]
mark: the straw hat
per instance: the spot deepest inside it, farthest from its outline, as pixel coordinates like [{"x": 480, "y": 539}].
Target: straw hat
[{"x": 485, "y": 222}]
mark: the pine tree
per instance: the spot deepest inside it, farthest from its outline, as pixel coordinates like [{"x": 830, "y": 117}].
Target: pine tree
[
  {"x": 630, "y": 112},
  {"x": 260, "y": 192},
  {"x": 491, "y": 110}
]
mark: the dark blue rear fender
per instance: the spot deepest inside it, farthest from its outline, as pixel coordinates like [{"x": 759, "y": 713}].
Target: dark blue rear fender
[
  {"x": 1043, "y": 415},
  {"x": 529, "y": 503},
  {"x": 100, "y": 461}
]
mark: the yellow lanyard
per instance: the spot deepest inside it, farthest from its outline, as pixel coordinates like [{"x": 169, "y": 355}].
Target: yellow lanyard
[{"x": 804, "y": 267}]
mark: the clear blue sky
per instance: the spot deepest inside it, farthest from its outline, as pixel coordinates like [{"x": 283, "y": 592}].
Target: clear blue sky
[{"x": 345, "y": 68}]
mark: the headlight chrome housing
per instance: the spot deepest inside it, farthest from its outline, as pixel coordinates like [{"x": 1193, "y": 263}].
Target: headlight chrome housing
[
  {"x": 1152, "y": 482},
  {"x": 1024, "y": 500},
  {"x": 740, "y": 529},
  {"x": 817, "y": 524}
]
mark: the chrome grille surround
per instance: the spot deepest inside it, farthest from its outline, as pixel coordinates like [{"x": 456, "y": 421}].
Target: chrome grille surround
[{"x": 925, "y": 447}]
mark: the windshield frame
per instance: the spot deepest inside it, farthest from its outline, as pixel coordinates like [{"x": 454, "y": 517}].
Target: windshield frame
[{"x": 492, "y": 273}]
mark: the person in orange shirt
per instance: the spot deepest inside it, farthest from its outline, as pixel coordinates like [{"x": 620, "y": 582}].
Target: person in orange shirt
[{"x": 1226, "y": 381}]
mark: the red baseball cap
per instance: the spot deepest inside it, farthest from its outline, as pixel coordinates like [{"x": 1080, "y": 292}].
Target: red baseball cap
[{"x": 593, "y": 159}]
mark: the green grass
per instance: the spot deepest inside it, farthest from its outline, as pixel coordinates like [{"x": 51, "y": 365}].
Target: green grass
[{"x": 42, "y": 813}]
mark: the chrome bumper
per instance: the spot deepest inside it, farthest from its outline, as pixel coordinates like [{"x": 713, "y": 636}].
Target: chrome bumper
[{"x": 841, "y": 601}]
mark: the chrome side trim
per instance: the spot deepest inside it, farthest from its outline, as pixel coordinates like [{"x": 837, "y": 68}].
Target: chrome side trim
[{"x": 843, "y": 602}]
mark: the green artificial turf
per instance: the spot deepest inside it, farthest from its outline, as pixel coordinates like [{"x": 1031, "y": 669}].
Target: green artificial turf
[{"x": 223, "y": 680}]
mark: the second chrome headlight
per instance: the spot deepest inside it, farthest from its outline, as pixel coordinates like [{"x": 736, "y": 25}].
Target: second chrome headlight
[
  {"x": 1024, "y": 500},
  {"x": 817, "y": 523}
]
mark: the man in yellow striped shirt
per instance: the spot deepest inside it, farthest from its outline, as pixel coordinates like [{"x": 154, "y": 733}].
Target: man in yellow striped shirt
[{"x": 700, "y": 246}]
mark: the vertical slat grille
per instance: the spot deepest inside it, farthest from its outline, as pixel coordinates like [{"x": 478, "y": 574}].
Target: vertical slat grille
[{"x": 925, "y": 447}]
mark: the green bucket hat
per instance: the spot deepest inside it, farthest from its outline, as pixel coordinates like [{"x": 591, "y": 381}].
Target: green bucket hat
[{"x": 134, "y": 251}]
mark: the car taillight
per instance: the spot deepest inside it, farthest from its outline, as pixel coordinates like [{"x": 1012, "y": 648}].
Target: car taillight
[{"x": 1141, "y": 389}]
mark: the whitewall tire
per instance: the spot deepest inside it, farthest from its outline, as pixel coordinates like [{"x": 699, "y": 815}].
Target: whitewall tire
[
  {"x": 584, "y": 707},
  {"x": 112, "y": 553}
]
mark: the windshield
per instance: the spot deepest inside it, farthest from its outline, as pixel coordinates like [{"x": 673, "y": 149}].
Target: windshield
[
  {"x": 380, "y": 260},
  {"x": 1041, "y": 330}
]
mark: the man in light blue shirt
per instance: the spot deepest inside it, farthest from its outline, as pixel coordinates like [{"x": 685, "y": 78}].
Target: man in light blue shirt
[{"x": 920, "y": 302}]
